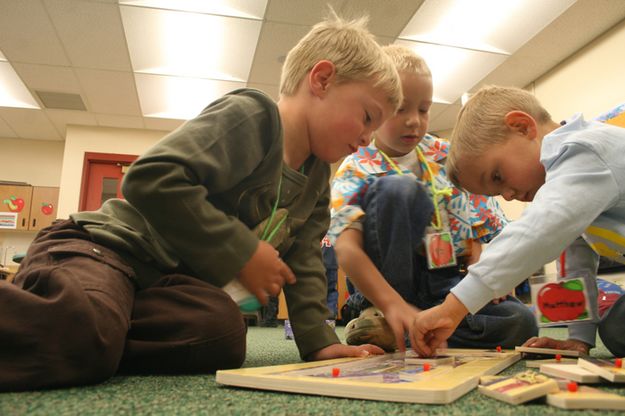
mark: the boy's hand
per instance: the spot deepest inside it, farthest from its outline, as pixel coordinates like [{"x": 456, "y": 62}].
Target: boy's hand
[
  {"x": 432, "y": 327},
  {"x": 265, "y": 273},
  {"x": 569, "y": 344},
  {"x": 400, "y": 317},
  {"x": 342, "y": 350}
]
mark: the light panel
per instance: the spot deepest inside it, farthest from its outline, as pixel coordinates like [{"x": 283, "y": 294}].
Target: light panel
[
  {"x": 248, "y": 9},
  {"x": 499, "y": 26},
  {"x": 177, "y": 97},
  {"x": 13, "y": 92},
  {"x": 190, "y": 44},
  {"x": 454, "y": 70}
]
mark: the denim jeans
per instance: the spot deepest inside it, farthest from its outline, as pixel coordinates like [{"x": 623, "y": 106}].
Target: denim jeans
[
  {"x": 398, "y": 210},
  {"x": 612, "y": 328},
  {"x": 332, "y": 276}
]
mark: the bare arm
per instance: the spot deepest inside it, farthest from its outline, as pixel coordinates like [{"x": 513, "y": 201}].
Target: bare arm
[{"x": 370, "y": 282}]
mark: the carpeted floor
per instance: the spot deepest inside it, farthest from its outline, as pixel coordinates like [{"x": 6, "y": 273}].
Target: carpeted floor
[{"x": 200, "y": 395}]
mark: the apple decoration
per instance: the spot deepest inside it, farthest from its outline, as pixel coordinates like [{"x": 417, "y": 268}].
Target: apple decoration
[
  {"x": 14, "y": 204},
  {"x": 441, "y": 249},
  {"x": 564, "y": 301},
  {"x": 47, "y": 208}
]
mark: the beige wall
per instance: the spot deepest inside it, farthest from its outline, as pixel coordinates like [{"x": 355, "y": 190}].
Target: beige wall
[
  {"x": 81, "y": 139},
  {"x": 37, "y": 162},
  {"x": 592, "y": 81}
]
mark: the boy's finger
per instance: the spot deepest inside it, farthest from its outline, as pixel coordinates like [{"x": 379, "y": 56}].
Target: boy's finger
[{"x": 287, "y": 274}]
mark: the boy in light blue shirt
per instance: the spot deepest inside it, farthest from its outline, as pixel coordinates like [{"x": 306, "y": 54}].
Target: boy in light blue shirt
[{"x": 505, "y": 143}]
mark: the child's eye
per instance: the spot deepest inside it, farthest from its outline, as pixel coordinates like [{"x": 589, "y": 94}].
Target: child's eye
[
  {"x": 367, "y": 118},
  {"x": 496, "y": 177},
  {"x": 400, "y": 110}
]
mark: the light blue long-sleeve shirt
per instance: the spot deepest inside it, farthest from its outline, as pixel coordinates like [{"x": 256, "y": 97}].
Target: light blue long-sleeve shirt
[{"x": 583, "y": 195}]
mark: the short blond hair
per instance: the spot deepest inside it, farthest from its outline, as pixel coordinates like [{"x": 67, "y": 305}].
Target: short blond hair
[
  {"x": 351, "y": 48},
  {"x": 407, "y": 60},
  {"x": 481, "y": 122}
]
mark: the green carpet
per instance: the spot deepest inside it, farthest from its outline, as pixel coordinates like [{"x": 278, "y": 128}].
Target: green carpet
[{"x": 200, "y": 395}]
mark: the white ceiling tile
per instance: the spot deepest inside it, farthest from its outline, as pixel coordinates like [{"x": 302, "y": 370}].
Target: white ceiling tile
[
  {"x": 111, "y": 120},
  {"x": 61, "y": 118},
  {"x": 48, "y": 78},
  {"x": 176, "y": 97},
  {"x": 166, "y": 42},
  {"x": 234, "y": 8},
  {"x": 386, "y": 18},
  {"x": 300, "y": 12},
  {"x": 165, "y": 124},
  {"x": 92, "y": 33},
  {"x": 276, "y": 40},
  {"x": 487, "y": 25},
  {"x": 27, "y": 34},
  {"x": 5, "y": 130},
  {"x": 30, "y": 124},
  {"x": 271, "y": 90},
  {"x": 454, "y": 70},
  {"x": 109, "y": 92}
]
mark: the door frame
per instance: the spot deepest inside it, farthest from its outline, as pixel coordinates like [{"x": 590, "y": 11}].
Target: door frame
[{"x": 94, "y": 157}]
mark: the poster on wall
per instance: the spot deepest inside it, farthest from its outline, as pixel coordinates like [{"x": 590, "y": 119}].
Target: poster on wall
[{"x": 8, "y": 220}]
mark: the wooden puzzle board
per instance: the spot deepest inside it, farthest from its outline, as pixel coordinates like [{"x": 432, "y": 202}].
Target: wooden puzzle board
[{"x": 385, "y": 377}]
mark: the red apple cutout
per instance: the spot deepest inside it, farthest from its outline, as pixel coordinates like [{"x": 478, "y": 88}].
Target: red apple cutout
[
  {"x": 47, "y": 208},
  {"x": 564, "y": 301},
  {"x": 14, "y": 204},
  {"x": 441, "y": 249}
]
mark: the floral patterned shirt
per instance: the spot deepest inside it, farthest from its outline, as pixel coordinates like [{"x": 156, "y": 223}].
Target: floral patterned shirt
[{"x": 471, "y": 217}]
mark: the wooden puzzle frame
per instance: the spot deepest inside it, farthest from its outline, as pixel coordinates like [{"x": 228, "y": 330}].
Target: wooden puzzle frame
[{"x": 385, "y": 377}]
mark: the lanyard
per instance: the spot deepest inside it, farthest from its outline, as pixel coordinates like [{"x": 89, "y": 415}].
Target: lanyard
[
  {"x": 268, "y": 231},
  {"x": 437, "y": 224}
]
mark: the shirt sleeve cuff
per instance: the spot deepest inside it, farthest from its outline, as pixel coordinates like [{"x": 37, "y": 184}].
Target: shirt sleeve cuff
[
  {"x": 473, "y": 293},
  {"x": 585, "y": 332}
]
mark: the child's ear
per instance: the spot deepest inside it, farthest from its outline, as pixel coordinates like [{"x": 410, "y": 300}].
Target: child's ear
[
  {"x": 521, "y": 122},
  {"x": 321, "y": 76}
]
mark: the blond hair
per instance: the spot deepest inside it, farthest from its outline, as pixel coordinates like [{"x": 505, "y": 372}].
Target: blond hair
[
  {"x": 481, "y": 122},
  {"x": 407, "y": 60},
  {"x": 353, "y": 51}
]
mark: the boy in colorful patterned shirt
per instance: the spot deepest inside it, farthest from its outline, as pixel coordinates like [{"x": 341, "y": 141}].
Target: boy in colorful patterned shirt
[{"x": 385, "y": 198}]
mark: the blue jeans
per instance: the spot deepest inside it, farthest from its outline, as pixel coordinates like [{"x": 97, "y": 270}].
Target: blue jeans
[
  {"x": 612, "y": 328},
  {"x": 332, "y": 276},
  {"x": 398, "y": 210}
]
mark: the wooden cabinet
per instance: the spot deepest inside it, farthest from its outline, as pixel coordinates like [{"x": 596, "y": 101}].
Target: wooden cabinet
[{"x": 35, "y": 206}]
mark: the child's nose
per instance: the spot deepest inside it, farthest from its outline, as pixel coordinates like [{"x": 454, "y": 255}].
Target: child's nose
[
  {"x": 508, "y": 195},
  {"x": 413, "y": 121},
  {"x": 365, "y": 138}
]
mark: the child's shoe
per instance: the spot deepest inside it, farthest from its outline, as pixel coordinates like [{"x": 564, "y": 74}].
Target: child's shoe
[{"x": 370, "y": 328}]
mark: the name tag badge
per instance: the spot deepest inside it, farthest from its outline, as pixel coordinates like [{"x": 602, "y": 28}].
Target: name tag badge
[
  {"x": 560, "y": 301},
  {"x": 439, "y": 249}
]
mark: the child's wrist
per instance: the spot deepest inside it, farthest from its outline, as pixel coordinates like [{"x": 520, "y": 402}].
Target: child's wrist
[{"x": 454, "y": 308}]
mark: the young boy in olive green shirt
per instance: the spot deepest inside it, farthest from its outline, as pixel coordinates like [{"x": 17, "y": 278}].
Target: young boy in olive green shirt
[{"x": 137, "y": 284}]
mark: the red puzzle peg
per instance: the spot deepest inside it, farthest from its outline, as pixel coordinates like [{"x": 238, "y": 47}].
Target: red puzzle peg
[
  {"x": 336, "y": 371},
  {"x": 426, "y": 367},
  {"x": 618, "y": 363},
  {"x": 572, "y": 387},
  {"x": 498, "y": 348},
  {"x": 558, "y": 357}
]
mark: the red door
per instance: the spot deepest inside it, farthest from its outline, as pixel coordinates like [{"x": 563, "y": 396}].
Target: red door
[{"x": 102, "y": 178}]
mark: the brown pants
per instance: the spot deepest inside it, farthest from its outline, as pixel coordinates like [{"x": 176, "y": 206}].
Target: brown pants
[{"x": 73, "y": 317}]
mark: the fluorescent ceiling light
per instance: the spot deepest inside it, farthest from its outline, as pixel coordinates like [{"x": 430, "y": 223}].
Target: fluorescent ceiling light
[
  {"x": 13, "y": 92},
  {"x": 178, "y": 98},
  {"x": 454, "y": 70},
  {"x": 499, "y": 26},
  {"x": 189, "y": 44},
  {"x": 249, "y": 9}
]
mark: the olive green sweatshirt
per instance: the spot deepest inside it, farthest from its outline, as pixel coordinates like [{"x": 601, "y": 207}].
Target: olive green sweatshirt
[{"x": 193, "y": 198}]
